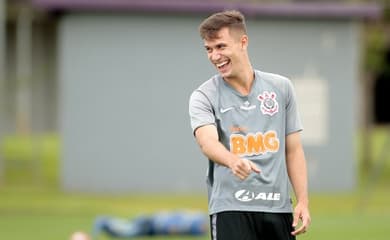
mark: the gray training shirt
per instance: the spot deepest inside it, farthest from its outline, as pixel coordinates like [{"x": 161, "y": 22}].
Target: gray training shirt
[{"x": 252, "y": 127}]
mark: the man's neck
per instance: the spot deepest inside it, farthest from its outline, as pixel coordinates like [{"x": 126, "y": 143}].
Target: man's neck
[{"x": 242, "y": 83}]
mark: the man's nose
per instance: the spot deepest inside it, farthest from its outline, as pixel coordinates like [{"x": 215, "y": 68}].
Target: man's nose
[{"x": 215, "y": 56}]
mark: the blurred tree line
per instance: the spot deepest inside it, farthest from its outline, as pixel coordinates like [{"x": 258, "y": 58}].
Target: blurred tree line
[{"x": 376, "y": 70}]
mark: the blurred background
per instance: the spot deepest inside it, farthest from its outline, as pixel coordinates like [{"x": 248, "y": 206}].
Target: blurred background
[{"x": 94, "y": 108}]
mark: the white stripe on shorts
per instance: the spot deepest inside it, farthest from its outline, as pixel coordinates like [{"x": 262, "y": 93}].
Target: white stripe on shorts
[{"x": 214, "y": 226}]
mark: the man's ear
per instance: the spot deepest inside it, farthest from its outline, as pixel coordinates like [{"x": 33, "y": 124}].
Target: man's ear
[{"x": 244, "y": 42}]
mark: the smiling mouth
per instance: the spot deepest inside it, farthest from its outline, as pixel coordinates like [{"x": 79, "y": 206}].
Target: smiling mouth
[{"x": 222, "y": 64}]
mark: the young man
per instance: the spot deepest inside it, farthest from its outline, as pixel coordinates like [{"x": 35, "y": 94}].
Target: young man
[{"x": 246, "y": 122}]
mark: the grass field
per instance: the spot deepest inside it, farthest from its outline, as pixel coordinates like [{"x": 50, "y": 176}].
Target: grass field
[
  {"x": 36, "y": 212},
  {"x": 43, "y": 213}
]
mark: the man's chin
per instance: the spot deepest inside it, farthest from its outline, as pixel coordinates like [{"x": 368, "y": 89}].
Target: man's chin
[{"x": 224, "y": 74}]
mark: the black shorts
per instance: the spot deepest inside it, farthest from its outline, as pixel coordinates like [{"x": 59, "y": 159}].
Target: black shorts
[{"x": 237, "y": 225}]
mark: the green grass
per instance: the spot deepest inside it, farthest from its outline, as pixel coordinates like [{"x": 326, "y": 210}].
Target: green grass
[
  {"x": 43, "y": 213},
  {"x": 30, "y": 210}
]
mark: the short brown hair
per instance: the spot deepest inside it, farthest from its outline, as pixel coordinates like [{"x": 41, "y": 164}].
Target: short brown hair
[{"x": 232, "y": 19}]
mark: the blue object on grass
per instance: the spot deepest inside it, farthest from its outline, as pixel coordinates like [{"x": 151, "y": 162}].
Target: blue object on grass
[{"x": 163, "y": 223}]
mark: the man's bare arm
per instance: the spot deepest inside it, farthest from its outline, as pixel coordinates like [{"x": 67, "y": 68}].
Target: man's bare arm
[
  {"x": 207, "y": 138},
  {"x": 297, "y": 171}
]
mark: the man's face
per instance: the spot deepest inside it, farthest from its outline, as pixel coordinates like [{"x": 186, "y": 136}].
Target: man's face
[{"x": 226, "y": 52}]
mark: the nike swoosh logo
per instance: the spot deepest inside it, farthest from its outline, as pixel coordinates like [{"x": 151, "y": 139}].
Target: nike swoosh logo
[{"x": 223, "y": 110}]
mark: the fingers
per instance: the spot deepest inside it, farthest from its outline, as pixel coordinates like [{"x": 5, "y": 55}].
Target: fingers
[
  {"x": 305, "y": 224},
  {"x": 254, "y": 167},
  {"x": 242, "y": 176},
  {"x": 302, "y": 229},
  {"x": 244, "y": 168},
  {"x": 241, "y": 173},
  {"x": 296, "y": 220}
]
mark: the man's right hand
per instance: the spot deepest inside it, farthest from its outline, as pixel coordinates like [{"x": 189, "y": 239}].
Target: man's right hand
[
  {"x": 242, "y": 168},
  {"x": 208, "y": 140}
]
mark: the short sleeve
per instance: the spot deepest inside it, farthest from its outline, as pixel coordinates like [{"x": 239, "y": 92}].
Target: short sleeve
[
  {"x": 293, "y": 120},
  {"x": 200, "y": 110}
]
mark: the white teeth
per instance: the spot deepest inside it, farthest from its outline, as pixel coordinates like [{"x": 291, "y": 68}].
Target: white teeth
[{"x": 221, "y": 64}]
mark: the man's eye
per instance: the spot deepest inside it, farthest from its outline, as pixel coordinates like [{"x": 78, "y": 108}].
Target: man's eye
[{"x": 220, "y": 46}]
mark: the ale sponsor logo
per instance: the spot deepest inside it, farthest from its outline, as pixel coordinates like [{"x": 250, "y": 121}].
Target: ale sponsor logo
[{"x": 245, "y": 195}]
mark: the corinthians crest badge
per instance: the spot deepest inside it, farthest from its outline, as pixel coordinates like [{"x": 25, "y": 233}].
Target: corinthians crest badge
[{"x": 269, "y": 105}]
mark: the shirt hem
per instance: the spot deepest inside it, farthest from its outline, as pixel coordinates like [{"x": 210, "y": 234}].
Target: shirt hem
[{"x": 256, "y": 209}]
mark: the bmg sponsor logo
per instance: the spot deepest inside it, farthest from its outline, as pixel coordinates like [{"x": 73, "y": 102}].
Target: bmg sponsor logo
[
  {"x": 254, "y": 144},
  {"x": 245, "y": 195}
]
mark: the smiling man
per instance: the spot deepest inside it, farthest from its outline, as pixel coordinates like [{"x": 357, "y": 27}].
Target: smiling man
[{"x": 247, "y": 124}]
